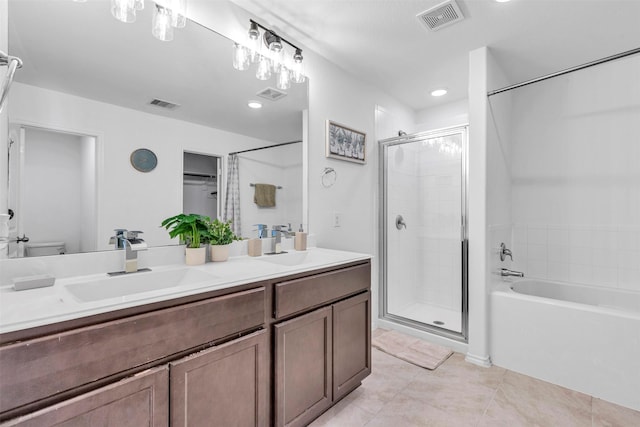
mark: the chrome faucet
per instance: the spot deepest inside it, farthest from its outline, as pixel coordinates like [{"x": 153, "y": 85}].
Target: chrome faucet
[
  {"x": 505, "y": 272},
  {"x": 504, "y": 252},
  {"x": 126, "y": 240},
  {"x": 276, "y": 244}
]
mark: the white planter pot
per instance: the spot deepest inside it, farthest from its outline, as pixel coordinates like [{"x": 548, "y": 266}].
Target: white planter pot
[
  {"x": 219, "y": 252},
  {"x": 195, "y": 256}
]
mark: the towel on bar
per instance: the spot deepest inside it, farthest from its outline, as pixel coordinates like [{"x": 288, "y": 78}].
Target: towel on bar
[{"x": 265, "y": 195}]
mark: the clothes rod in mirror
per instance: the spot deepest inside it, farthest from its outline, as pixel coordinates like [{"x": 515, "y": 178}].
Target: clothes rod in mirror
[{"x": 279, "y": 187}]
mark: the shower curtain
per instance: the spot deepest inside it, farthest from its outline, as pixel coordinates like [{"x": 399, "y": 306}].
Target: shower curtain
[{"x": 232, "y": 201}]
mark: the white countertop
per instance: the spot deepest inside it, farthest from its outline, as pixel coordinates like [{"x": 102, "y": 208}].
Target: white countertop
[{"x": 38, "y": 307}]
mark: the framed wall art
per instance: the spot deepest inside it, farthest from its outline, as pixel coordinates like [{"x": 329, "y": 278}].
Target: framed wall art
[{"x": 345, "y": 143}]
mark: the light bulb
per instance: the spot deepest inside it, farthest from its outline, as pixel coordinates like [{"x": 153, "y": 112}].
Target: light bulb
[
  {"x": 297, "y": 68},
  {"x": 282, "y": 80},
  {"x": 241, "y": 59},
  {"x": 178, "y": 13},
  {"x": 123, "y": 10},
  {"x": 264, "y": 68},
  {"x": 253, "y": 42},
  {"x": 162, "y": 29}
]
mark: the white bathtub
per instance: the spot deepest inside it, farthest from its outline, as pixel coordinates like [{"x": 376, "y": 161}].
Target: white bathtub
[{"x": 581, "y": 337}]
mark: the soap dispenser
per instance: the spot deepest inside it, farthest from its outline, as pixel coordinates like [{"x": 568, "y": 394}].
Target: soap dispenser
[
  {"x": 255, "y": 245},
  {"x": 300, "y": 241}
]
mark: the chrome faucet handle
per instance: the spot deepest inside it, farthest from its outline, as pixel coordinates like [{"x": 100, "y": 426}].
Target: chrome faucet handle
[
  {"x": 115, "y": 240},
  {"x": 133, "y": 235},
  {"x": 504, "y": 252}
]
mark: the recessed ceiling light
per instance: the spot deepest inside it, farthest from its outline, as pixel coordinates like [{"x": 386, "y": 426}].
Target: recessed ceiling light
[
  {"x": 502, "y": 1},
  {"x": 254, "y": 104},
  {"x": 438, "y": 92}
]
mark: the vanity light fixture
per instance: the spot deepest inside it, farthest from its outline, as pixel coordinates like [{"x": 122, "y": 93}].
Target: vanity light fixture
[
  {"x": 168, "y": 14},
  {"x": 438, "y": 92},
  {"x": 269, "y": 51}
]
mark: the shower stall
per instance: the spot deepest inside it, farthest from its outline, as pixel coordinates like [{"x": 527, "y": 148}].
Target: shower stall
[{"x": 423, "y": 231}]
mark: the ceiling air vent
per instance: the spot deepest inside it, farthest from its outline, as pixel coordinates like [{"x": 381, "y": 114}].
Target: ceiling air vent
[
  {"x": 271, "y": 94},
  {"x": 441, "y": 16},
  {"x": 164, "y": 104}
]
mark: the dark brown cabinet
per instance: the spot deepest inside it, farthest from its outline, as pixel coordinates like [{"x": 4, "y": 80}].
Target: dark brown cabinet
[
  {"x": 303, "y": 368},
  {"x": 319, "y": 357},
  {"x": 225, "y": 385},
  {"x": 351, "y": 343},
  {"x": 141, "y": 400},
  {"x": 280, "y": 351}
]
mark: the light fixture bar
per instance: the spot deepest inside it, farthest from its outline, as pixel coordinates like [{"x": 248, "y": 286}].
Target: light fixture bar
[{"x": 275, "y": 34}]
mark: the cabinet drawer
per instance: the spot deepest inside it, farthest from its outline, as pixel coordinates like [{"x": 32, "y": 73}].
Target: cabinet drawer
[
  {"x": 42, "y": 367},
  {"x": 301, "y": 294}
]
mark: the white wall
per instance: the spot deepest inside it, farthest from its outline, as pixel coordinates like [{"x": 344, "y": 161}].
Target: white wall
[
  {"x": 443, "y": 116},
  {"x": 576, "y": 176},
  {"x": 488, "y": 190},
  {"x": 127, "y": 198}
]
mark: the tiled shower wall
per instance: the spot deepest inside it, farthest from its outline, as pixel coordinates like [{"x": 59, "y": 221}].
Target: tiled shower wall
[{"x": 597, "y": 255}]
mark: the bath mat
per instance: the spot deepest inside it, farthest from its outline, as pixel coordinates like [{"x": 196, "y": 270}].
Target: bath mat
[{"x": 412, "y": 350}]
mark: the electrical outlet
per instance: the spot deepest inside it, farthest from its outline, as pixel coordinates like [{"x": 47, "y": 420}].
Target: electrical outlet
[{"x": 337, "y": 219}]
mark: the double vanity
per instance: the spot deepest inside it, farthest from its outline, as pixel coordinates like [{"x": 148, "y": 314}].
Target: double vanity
[{"x": 272, "y": 340}]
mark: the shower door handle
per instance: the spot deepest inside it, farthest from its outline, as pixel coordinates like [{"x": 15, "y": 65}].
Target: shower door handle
[{"x": 400, "y": 222}]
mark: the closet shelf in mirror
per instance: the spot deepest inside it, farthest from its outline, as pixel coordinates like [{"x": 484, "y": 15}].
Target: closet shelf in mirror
[{"x": 199, "y": 175}]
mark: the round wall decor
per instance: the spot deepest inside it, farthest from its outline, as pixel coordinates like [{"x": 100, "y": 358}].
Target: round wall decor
[{"x": 144, "y": 160}]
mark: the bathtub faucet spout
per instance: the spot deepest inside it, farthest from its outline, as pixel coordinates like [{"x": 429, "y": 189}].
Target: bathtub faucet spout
[{"x": 505, "y": 272}]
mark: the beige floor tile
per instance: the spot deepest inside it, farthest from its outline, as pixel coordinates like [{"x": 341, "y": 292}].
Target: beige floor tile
[
  {"x": 404, "y": 410},
  {"x": 607, "y": 414},
  {"x": 377, "y": 332},
  {"x": 458, "y": 370},
  {"x": 344, "y": 414},
  {"x": 525, "y": 401},
  {"x": 465, "y": 400},
  {"x": 458, "y": 393}
]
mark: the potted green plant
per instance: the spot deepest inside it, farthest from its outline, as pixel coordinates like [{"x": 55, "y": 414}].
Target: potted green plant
[
  {"x": 220, "y": 236},
  {"x": 191, "y": 228}
]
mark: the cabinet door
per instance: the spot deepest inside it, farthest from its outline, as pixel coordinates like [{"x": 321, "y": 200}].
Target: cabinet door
[
  {"x": 351, "y": 343},
  {"x": 141, "y": 400},
  {"x": 303, "y": 368},
  {"x": 226, "y": 385}
]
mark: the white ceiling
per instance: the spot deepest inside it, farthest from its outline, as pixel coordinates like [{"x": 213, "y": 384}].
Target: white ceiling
[{"x": 382, "y": 41}]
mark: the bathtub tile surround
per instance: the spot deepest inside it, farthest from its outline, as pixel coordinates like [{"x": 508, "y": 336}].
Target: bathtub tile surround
[
  {"x": 607, "y": 256},
  {"x": 459, "y": 394}
]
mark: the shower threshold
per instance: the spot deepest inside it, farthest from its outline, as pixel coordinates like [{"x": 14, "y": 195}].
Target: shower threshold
[{"x": 432, "y": 315}]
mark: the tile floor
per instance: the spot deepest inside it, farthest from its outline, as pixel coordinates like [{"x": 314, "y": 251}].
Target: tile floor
[{"x": 398, "y": 394}]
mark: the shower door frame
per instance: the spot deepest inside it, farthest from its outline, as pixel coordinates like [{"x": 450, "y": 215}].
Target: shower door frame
[{"x": 464, "y": 233}]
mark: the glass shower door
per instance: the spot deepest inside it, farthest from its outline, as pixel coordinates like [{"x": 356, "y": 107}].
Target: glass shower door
[{"x": 424, "y": 232}]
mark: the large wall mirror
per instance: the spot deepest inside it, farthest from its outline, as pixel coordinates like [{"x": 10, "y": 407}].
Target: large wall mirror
[{"x": 89, "y": 152}]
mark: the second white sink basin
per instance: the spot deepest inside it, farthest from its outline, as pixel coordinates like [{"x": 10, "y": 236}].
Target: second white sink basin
[
  {"x": 135, "y": 283},
  {"x": 294, "y": 258}
]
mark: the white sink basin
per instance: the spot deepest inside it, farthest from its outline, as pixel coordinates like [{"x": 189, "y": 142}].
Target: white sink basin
[
  {"x": 291, "y": 258},
  {"x": 136, "y": 283}
]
